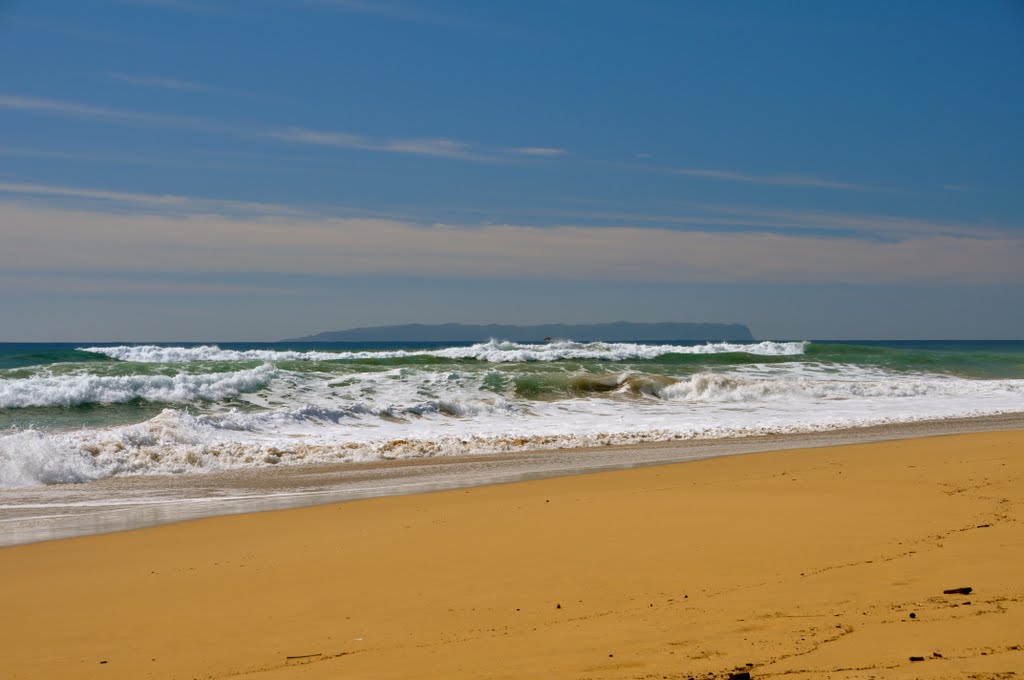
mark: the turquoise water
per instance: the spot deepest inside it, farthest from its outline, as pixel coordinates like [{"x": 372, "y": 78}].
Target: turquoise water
[{"x": 71, "y": 411}]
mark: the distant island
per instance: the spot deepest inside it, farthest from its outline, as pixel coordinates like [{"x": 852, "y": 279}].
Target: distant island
[{"x": 621, "y": 331}]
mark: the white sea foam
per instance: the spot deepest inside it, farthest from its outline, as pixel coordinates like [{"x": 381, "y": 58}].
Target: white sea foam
[
  {"x": 154, "y": 354},
  {"x": 29, "y": 457},
  {"x": 510, "y": 352},
  {"x": 742, "y": 389},
  {"x": 277, "y": 420},
  {"x": 398, "y": 421},
  {"x": 402, "y": 392},
  {"x": 494, "y": 351},
  {"x": 342, "y": 413},
  {"x": 86, "y": 388}
]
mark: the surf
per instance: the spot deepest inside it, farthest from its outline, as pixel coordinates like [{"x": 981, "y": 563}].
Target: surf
[{"x": 74, "y": 413}]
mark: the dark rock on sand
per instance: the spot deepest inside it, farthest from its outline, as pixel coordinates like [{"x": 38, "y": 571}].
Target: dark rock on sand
[{"x": 966, "y": 590}]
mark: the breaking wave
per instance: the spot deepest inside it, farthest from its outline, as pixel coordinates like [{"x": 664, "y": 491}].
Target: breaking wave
[
  {"x": 226, "y": 408},
  {"x": 176, "y": 442},
  {"x": 84, "y": 388},
  {"x": 740, "y": 389},
  {"x": 494, "y": 351}
]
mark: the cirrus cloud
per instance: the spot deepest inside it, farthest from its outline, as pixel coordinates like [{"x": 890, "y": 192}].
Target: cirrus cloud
[{"x": 210, "y": 236}]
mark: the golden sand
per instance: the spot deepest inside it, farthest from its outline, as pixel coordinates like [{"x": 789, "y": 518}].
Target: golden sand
[{"x": 816, "y": 563}]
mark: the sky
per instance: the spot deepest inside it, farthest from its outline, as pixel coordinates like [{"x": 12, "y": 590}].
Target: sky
[{"x": 225, "y": 170}]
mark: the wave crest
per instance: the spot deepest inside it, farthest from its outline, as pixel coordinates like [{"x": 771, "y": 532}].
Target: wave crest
[
  {"x": 717, "y": 387},
  {"x": 76, "y": 389},
  {"x": 494, "y": 351}
]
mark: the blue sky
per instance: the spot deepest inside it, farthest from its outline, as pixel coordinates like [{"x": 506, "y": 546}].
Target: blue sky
[{"x": 190, "y": 169}]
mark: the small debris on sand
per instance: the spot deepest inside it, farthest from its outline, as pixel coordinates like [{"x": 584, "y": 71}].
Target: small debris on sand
[{"x": 966, "y": 590}]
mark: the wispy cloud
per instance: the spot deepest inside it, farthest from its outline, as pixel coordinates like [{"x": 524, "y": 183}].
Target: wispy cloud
[
  {"x": 421, "y": 146},
  {"x": 865, "y": 225},
  {"x": 958, "y": 187},
  {"x": 437, "y": 147},
  {"x": 167, "y": 204},
  {"x": 807, "y": 181},
  {"x": 264, "y": 238},
  {"x": 443, "y": 148},
  {"x": 91, "y": 199},
  {"x": 77, "y": 110},
  {"x": 234, "y": 161},
  {"x": 156, "y": 81},
  {"x": 547, "y": 151},
  {"x": 43, "y": 153},
  {"x": 696, "y": 216}
]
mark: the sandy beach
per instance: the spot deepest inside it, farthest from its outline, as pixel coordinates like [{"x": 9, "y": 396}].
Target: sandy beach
[
  {"x": 812, "y": 563},
  {"x": 459, "y": 340}
]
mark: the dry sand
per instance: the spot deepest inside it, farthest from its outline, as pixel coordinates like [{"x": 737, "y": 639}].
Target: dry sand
[{"x": 816, "y": 563}]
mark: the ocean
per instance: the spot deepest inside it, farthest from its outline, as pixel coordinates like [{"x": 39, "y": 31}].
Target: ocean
[{"x": 73, "y": 413}]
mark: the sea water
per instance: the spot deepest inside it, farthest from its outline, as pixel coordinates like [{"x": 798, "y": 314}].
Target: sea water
[{"x": 77, "y": 412}]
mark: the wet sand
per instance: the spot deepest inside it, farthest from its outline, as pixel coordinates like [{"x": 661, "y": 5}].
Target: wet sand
[
  {"x": 812, "y": 563},
  {"x": 117, "y": 504}
]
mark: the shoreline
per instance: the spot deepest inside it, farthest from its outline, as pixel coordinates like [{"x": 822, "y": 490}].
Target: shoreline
[
  {"x": 33, "y": 514},
  {"x": 799, "y": 563}
]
